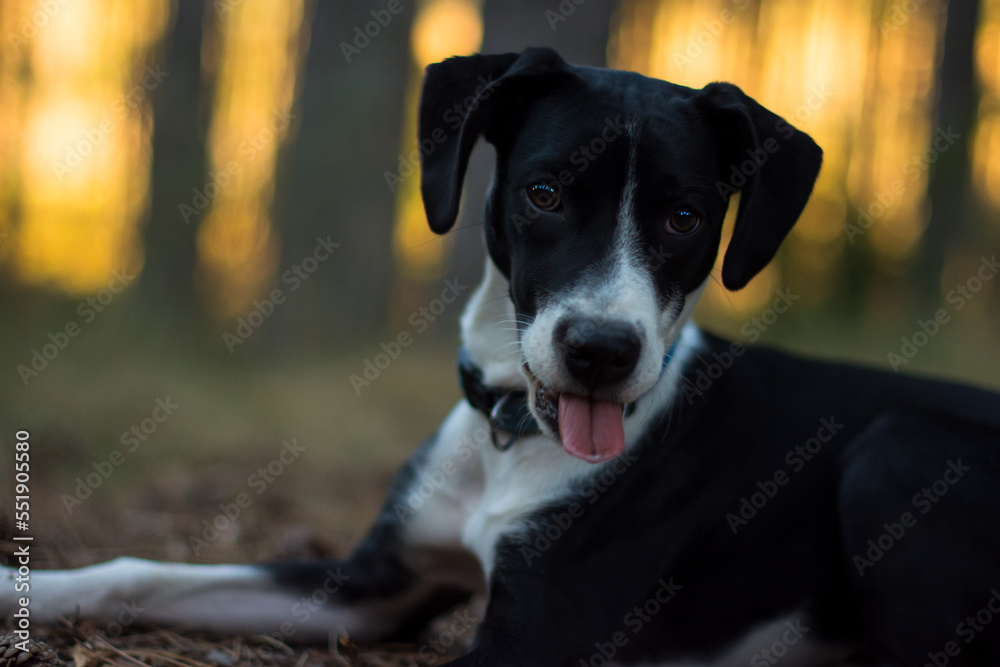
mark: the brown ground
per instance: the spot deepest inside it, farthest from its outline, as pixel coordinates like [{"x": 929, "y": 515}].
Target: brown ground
[
  {"x": 232, "y": 420},
  {"x": 155, "y": 520},
  {"x": 227, "y": 427}
]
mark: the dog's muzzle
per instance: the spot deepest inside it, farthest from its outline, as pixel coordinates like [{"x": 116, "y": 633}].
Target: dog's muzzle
[
  {"x": 587, "y": 428},
  {"x": 597, "y": 357}
]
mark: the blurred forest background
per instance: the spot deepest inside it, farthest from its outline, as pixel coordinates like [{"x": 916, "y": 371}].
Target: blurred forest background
[{"x": 167, "y": 168}]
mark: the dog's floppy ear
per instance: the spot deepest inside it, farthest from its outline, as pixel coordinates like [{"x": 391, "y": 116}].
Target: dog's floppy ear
[
  {"x": 462, "y": 98},
  {"x": 773, "y": 164}
]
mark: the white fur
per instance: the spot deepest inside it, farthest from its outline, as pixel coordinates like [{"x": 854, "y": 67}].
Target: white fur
[
  {"x": 482, "y": 495},
  {"x": 489, "y": 331},
  {"x": 469, "y": 495},
  {"x": 449, "y": 485},
  {"x": 536, "y": 470},
  {"x": 487, "y": 496},
  {"x": 488, "y": 493},
  {"x": 239, "y": 599},
  {"x": 620, "y": 289}
]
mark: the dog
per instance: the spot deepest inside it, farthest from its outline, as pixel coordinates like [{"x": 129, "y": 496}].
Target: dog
[{"x": 625, "y": 488}]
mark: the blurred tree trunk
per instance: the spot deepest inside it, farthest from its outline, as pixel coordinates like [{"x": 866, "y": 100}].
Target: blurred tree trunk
[
  {"x": 580, "y": 37},
  {"x": 330, "y": 176},
  {"x": 950, "y": 191},
  {"x": 166, "y": 286}
]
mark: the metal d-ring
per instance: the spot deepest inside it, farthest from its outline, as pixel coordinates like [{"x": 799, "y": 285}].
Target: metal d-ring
[{"x": 495, "y": 426}]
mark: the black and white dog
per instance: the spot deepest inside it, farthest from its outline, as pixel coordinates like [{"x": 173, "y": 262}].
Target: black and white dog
[{"x": 626, "y": 489}]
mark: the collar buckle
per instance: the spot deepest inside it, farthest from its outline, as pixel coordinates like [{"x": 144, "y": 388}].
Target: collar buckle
[{"x": 496, "y": 417}]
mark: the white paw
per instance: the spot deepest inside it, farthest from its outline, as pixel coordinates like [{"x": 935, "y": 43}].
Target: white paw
[{"x": 55, "y": 594}]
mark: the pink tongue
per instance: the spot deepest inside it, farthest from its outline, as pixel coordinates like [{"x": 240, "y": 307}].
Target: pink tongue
[{"x": 591, "y": 430}]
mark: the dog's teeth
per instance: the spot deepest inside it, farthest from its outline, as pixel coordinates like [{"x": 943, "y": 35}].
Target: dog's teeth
[{"x": 544, "y": 405}]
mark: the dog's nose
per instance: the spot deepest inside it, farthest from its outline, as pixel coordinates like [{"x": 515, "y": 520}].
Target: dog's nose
[{"x": 598, "y": 354}]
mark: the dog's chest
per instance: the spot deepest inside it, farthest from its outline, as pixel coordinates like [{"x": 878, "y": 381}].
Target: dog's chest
[
  {"x": 533, "y": 474},
  {"x": 469, "y": 494},
  {"x": 478, "y": 494}
]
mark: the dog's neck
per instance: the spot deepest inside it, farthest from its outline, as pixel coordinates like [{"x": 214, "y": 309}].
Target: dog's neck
[{"x": 489, "y": 331}]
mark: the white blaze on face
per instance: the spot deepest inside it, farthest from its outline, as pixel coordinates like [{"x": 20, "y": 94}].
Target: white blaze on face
[{"x": 621, "y": 290}]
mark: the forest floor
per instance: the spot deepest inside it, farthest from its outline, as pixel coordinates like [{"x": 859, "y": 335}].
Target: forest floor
[
  {"x": 230, "y": 418},
  {"x": 156, "y": 500}
]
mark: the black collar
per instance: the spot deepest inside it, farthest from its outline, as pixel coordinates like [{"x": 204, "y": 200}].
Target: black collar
[{"x": 507, "y": 409}]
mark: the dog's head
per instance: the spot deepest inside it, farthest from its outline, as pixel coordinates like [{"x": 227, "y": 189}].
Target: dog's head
[{"x": 606, "y": 213}]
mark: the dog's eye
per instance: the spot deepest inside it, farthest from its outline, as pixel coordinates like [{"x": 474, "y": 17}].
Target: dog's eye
[
  {"x": 544, "y": 197},
  {"x": 683, "y": 221}
]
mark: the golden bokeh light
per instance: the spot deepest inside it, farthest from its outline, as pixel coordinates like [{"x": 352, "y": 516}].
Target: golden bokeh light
[
  {"x": 442, "y": 28},
  {"x": 75, "y": 144},
  {"x": 986, "y": 147},
  {"x": 75, "y": 141},
  {"x": 855, "y": 75},
  {"x": 255, "y": 53}
]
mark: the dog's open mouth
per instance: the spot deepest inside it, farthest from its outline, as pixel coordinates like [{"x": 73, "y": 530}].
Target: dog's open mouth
[{"x": 589, "y": 429}]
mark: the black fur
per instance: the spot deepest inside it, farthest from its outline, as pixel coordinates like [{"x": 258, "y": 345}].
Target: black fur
[
  {"x": 698, "y": 147},
  {"x": 668, "y": 517},
  {"x": 772, "y": 485}
]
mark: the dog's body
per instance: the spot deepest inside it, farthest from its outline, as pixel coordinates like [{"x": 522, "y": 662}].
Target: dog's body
[{"x": 709, "y": 504}]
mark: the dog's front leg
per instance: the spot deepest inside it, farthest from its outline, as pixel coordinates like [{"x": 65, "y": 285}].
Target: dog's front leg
[
  {"x": 567, "y": 586},
  {"x": 528, "y": 624},
  {"x": 410, "y": 567}
]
